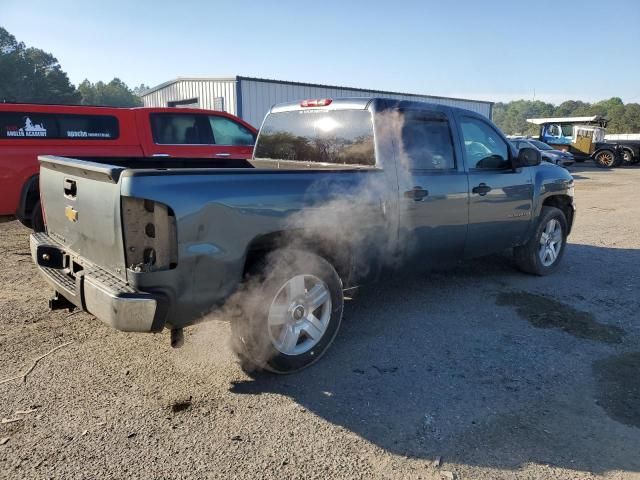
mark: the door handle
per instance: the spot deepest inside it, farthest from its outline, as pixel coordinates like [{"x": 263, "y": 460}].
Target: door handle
[
  {"x": 481, "y": 189},
  {"x": 416, "y": 193},
  {"x": 222, "y": 154}
]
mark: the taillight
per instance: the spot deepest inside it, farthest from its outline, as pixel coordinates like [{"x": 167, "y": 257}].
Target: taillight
[
  {"x": 150, "y": 238},
  {"x": 318, "y": 102}
]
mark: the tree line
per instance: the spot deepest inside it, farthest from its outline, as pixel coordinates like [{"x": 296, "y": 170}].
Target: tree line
[
  {"x": 512, "y": 117},
  {"x": 31, "y": 75}
]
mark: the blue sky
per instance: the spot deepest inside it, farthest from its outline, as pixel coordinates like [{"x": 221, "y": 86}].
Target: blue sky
[{"x": 477, "y": 49}]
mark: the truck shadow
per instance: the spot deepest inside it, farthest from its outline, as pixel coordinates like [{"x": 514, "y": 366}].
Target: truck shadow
[{"x": 437, "y": 366}]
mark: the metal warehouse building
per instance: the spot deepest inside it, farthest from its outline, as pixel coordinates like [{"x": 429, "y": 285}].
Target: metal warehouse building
[{"x": 251, "y": 98}]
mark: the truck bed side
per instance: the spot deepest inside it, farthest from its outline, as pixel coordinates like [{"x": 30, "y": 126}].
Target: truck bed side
[{"x": 220, "y": 216}]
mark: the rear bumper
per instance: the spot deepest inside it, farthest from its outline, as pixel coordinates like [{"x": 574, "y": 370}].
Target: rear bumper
[{"x": 95, "y": 290}]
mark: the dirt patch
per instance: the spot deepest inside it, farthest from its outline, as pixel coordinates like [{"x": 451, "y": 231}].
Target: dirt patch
[
  {"x": 618, "y": 387},
  {"x": 545, "y": 312}
]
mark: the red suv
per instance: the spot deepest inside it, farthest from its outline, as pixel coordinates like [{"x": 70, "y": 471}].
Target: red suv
[{"x": 27, "y": 131}]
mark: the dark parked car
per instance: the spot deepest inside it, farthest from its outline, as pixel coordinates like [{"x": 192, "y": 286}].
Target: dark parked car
[{"x": 549, "y": 154}]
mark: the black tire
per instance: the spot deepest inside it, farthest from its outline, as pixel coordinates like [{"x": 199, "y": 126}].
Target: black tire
[
  {"x": 37, "y": 221},
  {"x": 606, "y": 159},
  {"x": 251, "y": 332},
  {"x": 628, "y": 158},
  {"x": 527, "y": 257}
]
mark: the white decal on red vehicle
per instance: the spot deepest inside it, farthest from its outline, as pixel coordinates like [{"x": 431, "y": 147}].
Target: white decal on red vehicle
[
  {"x": 30, "y": 129},
  {"x": 80, "y": 133}
]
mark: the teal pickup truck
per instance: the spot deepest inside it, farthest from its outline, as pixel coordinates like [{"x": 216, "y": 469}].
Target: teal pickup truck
[{"x": 338, "y": 192}]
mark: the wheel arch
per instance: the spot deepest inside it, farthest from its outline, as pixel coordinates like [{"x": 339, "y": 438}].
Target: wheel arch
[
  {"x": 339, "y": 256},
  {"x": 29, "y": 196},
  {"x": 563, "y": 203},
  {"x": 630, "y": 150},
  {"x": 611, "y": 149}
]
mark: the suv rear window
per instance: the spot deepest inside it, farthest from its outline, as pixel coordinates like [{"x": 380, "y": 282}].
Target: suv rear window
[
  {"x": 34, "y": 125},
  {"x": 320, "y": 136}
]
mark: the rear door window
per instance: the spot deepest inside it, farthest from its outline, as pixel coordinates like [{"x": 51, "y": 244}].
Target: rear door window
[
  {"x": 426, "y": 141},
  {"x": 227, "y": 132},
  {"x": 34, "y": 125},
  {"x": 180, "y": 129}
]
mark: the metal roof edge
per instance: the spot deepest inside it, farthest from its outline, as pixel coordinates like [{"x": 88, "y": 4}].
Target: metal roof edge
[
  {"x": 590, "y": 118},
  {"x": 355, "y": 89},
  {"x": 305, "y": 84},
  {"x": 181, "y": 79}
]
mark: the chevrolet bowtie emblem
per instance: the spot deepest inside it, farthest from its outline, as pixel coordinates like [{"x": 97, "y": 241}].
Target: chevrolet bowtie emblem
[{"x": 71, "y": 214}]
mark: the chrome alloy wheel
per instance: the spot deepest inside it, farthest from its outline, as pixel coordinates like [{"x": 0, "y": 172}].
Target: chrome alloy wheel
[
  {"x": 299, "y": 314},
  {"x": 550, "y": 242}
]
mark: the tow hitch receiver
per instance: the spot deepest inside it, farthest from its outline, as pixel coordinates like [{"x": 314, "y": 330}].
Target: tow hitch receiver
[{"x": 58, "y": 302}]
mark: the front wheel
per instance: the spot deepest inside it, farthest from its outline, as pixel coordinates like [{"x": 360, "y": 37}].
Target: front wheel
[
  {"x": 541, "y": 255},
  {"x": 291, "y": 312},
  {"x": 605, "y": 159}
]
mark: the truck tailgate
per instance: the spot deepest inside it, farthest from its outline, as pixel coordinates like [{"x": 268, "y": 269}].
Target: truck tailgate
[{"x": 81, "y": 204}]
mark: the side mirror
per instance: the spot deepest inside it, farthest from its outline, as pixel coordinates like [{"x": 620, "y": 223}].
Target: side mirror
[{"x": 527, "y": 157}]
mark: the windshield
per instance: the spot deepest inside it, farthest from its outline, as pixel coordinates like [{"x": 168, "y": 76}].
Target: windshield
[
  {"x": 540, "y": 145},
  {"x": 319, "y": 136}
]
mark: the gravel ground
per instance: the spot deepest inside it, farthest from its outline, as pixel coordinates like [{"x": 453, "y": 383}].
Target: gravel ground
[{"x": 499, "y": 374}]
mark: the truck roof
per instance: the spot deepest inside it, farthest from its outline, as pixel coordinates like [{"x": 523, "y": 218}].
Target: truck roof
[
  {"x": 356, "y": 103},
  {"x": 541, "y": 121}
]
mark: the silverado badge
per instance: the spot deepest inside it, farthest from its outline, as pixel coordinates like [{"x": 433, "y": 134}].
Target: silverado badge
[{"x": 71, "y": 213}]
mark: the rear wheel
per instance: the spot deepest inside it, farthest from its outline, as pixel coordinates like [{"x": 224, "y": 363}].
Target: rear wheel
[
  {"x": 628, "y": 158},
  {"x": 291, "y": 312},
  {"x": 605, "y": 159},
  {"x": 541, "y": 255}
]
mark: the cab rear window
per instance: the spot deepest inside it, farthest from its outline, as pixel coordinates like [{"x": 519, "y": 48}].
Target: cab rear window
[
  {"x": 322, "y": 136},
  {"x": 52, "y": 126}
]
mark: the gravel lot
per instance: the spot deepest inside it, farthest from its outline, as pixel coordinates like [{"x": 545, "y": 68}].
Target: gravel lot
[{"x": 499, "y": 374}]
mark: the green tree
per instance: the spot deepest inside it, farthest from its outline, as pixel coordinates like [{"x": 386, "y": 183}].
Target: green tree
[
  {"x": 116, "y": 93},
  {"x": 571, "y": 108},
  {"x": 31, "y": 74},
  {"x": 140, "y": 89},
  {"x": 512, "y": 117}
]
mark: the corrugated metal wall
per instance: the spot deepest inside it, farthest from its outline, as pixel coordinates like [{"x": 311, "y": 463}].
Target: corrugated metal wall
[
  {"x": 258, "y": 96},
  {"x": 205, "y": 90}
]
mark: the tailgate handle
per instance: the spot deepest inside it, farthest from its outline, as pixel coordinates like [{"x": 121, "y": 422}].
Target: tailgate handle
[{"x": 70, "y": 188}]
